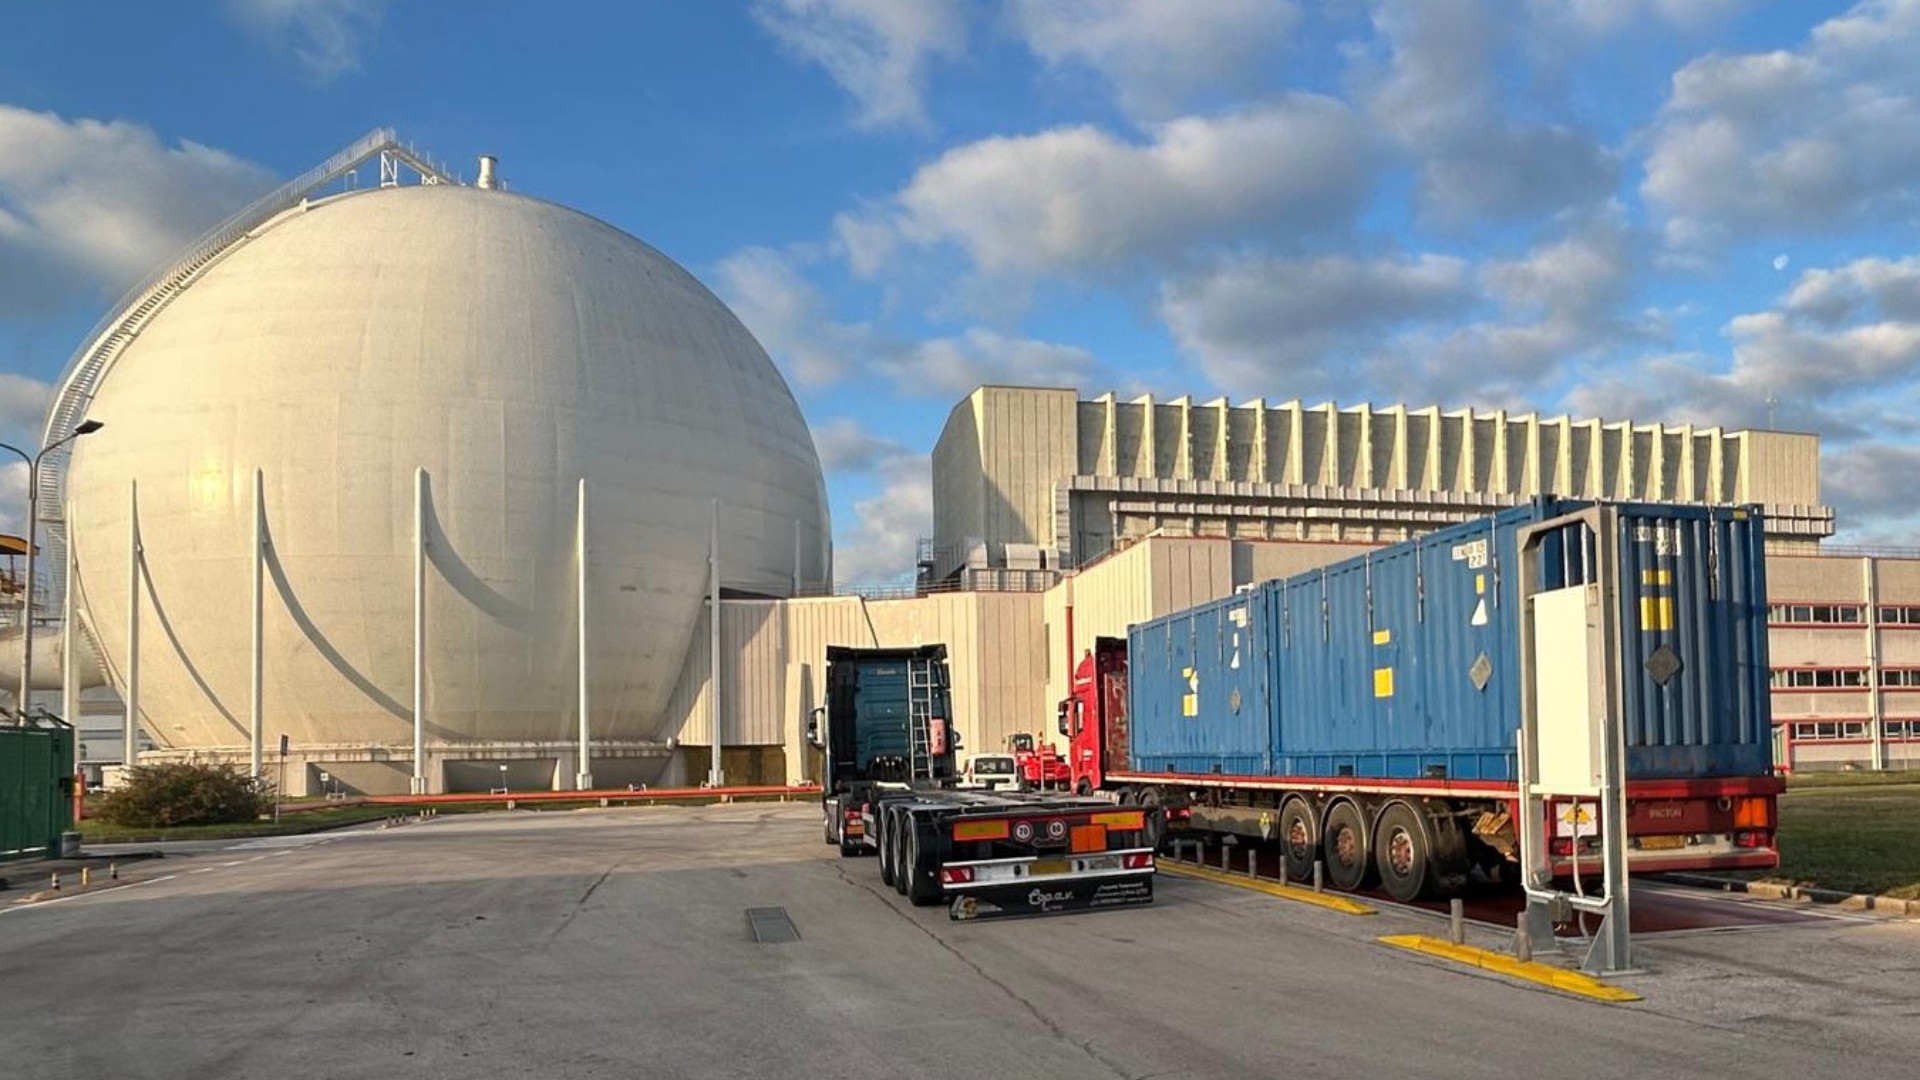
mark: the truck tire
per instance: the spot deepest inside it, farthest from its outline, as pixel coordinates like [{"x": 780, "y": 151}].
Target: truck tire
[
  {"x": 1347, "y": 846},
  {"x": 1403, "y": 853},
  {"x": 1299, "y": 838},
  {"x": 923, "y": 868},
  {"x": 883, "y": 844},
  {"x": 897, "y": 840},
  {"x": 1156, "y": 819}
]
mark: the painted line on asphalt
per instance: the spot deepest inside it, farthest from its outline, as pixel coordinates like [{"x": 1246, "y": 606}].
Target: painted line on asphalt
[
  {"x": 37, "y": 904},
  {"x": 1331, "y": 901},
  {"x": 1577, "y": 983}
]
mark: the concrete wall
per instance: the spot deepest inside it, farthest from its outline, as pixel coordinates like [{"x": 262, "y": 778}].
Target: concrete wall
[{"x": 1884, "y": 648}]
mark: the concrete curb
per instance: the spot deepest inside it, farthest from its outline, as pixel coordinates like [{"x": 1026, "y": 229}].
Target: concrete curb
[
  {"x": 1578, "y": 983},
  {"x": 1773, "y": 890}
]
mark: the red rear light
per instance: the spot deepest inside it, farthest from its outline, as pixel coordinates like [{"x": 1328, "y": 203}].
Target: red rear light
[
  {"x": 1137, "y": 860},
  {"x": 1750, "y": 839},
  {"x": 1561, "y": 846},
  {"x": 852, "y": 815},
  {"x": 1179, "y": 813},
  {"x": 956, "y": 875}
]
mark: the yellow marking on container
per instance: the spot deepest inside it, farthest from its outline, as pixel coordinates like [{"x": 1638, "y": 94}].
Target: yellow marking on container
[
  {"x": 1656, "y": 577},
  {"x": 1122, "y": 820},
  {"x": 1383, "y": 682},
  {"x": 1190, "y": 701},
  {"x": 1331, "y": 901},
  {"x": 1383, "y": 637},
  {"x": 1479, "y": 584},
  {"x": 1656, "y": 613},
  {"x": 1570, "y": 982}
]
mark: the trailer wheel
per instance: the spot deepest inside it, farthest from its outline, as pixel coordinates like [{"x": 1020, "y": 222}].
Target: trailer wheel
[
  {"x": 1156, "y": 819},
  {"x": 923, "y": 886},
  {"x": 1403, "y": 852},
  {"x": 1300, "y": 839},
  {"x": 1347, "y": 848}
]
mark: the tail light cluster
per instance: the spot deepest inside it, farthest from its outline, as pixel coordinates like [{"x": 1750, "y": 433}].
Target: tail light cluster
[
  {"x": 1752, "y": 838},
  {"x": 1137, "y": 860},
  {"x": 956, "y": 875}
]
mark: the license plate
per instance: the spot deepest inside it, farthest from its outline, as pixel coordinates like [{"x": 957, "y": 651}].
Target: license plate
[
  {"x": 1662, "y": 843},
  {"x": 1044, "y": 867}
]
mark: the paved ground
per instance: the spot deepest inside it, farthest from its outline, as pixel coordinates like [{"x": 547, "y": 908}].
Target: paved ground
[{"x": 613, "y": 943}]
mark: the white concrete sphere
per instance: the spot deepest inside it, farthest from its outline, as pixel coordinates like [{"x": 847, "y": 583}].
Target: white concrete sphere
[{"x": 510, "y": 347}]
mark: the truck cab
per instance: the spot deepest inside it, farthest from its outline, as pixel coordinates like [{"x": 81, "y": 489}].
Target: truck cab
[{"x": 1094, "y": 717}]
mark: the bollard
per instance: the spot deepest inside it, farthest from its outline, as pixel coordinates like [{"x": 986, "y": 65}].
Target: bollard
[
  {"x": 1284, "y": 876},
  {"x": 1253, "y": 865},
  {"x": 113, "y": 871},
  {"x": 1522, "y": 939},
  {"x": 86, "y": 876},
  {"x": 56, "y": 881},
  {"x": 1456, "y": 921},
  {"x": 1226, "y": 854},
  {"x": 1319, "y": 875}
]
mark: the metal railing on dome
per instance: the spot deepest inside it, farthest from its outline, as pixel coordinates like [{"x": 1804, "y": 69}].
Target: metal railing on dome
[{"x": 126, "y": 318}]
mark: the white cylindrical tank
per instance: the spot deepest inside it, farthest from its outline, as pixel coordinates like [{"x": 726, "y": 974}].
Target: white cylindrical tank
[{"x": 510, "y": 347}]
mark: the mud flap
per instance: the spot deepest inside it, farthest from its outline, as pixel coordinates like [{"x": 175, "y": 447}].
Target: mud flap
[{"x": 1050, "y": 898}]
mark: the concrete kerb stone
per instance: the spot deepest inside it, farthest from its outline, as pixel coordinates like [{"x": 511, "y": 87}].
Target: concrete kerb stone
[{"x": 1776, "y": 890}]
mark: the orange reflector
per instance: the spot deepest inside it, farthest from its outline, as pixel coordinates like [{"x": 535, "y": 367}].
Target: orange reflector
[
  {"x": 1088, "y": 838},
  {"x": 980, "y": 830},
  {"x": 1122, "y": 821},
  {"x": 1753, "y": 813}
]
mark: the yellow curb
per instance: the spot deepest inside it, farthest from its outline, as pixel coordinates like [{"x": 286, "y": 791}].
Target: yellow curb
[
  {"x": 1330, "y": 901},
  {"x": 1572, "y": 982}
]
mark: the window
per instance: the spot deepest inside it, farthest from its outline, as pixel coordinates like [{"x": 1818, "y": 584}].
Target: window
[
  {"x": 1829, "y": 729},
  {"x": 1900, "y": 616},
  {"x": 1901, "y": 729},
  {"x": 1900, "y": 676},
  {"x": 1819, "y": 678},
  {"x": 1817, "y": 614}
]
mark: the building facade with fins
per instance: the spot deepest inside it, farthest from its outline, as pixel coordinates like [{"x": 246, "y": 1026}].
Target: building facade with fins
[{"x": 1027, "y": 478}]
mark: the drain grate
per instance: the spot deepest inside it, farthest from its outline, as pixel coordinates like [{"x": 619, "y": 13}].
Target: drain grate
[{"x": 771, "y": 926}]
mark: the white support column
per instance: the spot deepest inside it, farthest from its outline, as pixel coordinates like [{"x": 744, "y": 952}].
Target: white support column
[
  {"x": 131, "y": 754},
  {"x": 256, "y": 695},
  {"x": 583, "y": 779},
  {"x": 69, "y": 639},
  {"x": 419, "y": 784},
  {"x": 714, "y": 776}
]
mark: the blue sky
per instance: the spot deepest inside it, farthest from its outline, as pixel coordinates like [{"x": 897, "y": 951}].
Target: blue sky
[{"x": 1686, "y": 210}]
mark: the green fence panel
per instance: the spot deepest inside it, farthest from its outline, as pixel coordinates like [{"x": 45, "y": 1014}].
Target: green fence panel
[{"x": 36, "y": 766}]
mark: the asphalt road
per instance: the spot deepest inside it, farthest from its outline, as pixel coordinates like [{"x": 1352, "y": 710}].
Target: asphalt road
[{"x": 613, "y": 943}]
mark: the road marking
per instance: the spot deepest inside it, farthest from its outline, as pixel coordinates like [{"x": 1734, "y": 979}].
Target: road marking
[
  {"x": 1331, "y": 901},
  {"x": 235, "y": 862},
  {"x": 82, "y": 896},
  {"x": 202, "y": 870},
  {"x": 1571, "y": 982}
]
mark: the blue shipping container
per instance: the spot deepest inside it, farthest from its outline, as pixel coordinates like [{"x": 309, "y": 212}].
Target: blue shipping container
[{"x": 1404, "y": 663}]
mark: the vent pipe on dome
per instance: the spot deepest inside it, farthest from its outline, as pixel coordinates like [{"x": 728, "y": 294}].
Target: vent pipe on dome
[{"x": 487, "y": 162}]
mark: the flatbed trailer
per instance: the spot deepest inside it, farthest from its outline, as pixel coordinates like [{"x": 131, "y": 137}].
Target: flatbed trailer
[
  {"x": 891, "y": 791},
  {"x": 1363, "y": 716}
]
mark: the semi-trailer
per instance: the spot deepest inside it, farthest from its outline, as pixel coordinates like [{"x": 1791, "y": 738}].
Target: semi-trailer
[
  {"x": 891, "y": 789},
  {"x": 1366, "y": 715}
]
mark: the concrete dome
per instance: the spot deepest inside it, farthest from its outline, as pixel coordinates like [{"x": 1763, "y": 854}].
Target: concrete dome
[{"x": 510, "y": 347}]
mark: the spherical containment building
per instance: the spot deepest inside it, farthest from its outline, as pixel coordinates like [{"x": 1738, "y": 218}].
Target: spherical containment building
[{"x": 477, "y": 354}]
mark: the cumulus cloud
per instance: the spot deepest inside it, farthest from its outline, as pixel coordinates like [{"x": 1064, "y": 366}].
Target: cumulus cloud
[
  {"x": 1791, "y": 140},
  {"x": 88, "y": 206},
  {"x": 1438, "y": 96},
  {"x": 877, "y": 50},
  {"x": 325, "y": 37},
  {"x": 1871, "y": 489},
  {"x": 789, "y": 317},
  {"x": 1156, "y": 54},
  {"x": 1292, "y": 327},
  {"x": 953, "y": 366},
  {"x": 13, "y": 496},
  {"x": 1600, "y": 17},
  {"x": 1081, "y": 200},
  {"x": 880, "y": 543},
  {"x": 23, "y": 406}
]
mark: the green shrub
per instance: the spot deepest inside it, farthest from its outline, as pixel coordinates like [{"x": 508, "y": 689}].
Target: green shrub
[{"x": 185, "y": 793}]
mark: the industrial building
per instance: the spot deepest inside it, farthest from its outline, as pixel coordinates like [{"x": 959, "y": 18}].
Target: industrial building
[{"x": 459, "y": 513}]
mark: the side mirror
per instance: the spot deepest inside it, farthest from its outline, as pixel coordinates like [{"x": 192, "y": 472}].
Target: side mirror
[
  {"x": 955, "y": 736},
  {"x": 813, "y": 726},
  {"x": 1062, "y": 714}
]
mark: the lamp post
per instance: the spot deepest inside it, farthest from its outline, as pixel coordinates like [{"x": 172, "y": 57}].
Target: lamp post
[{"x": 86, "y": 427}]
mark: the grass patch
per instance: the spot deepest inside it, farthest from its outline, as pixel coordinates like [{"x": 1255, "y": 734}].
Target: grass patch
[
  {"x": 93, "y": 830},
  {"x": 1856, "y": 835},
  {"x": 1860, "y": 778}
]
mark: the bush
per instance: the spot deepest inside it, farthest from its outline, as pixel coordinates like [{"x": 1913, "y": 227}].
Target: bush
[{"x": 184, "y": 793}]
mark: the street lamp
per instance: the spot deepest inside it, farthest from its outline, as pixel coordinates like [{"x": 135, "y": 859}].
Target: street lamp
[{"x": 86, "y": 427}]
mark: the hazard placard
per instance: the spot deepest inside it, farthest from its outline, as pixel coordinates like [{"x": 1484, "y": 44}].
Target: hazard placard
[{"x": 1576, "y": 819}]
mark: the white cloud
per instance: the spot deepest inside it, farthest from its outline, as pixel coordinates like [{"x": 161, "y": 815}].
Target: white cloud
[
  {"x": 23, "y": 407},
  {"x": 789, "y": 317},
  {"x": 1599, "y": 17},
  {"x": 326, "y": 37},
  {"x": 880, "y": 543},
  {"x": 1439, "y": 97},
  {"x": 954, "y": 366},
  {"x": 1871, "y": 489},
  {"x": 1793, "y": 139},
  {"x": 88, "y": 206},
  {"x": 1156, "y": 53},
  {"x": 13, "y": 495},
  {"x": 877, "y": 50},
  {"x": 1080, "y": 200},
  {"x": 1292, "y": 327}
]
